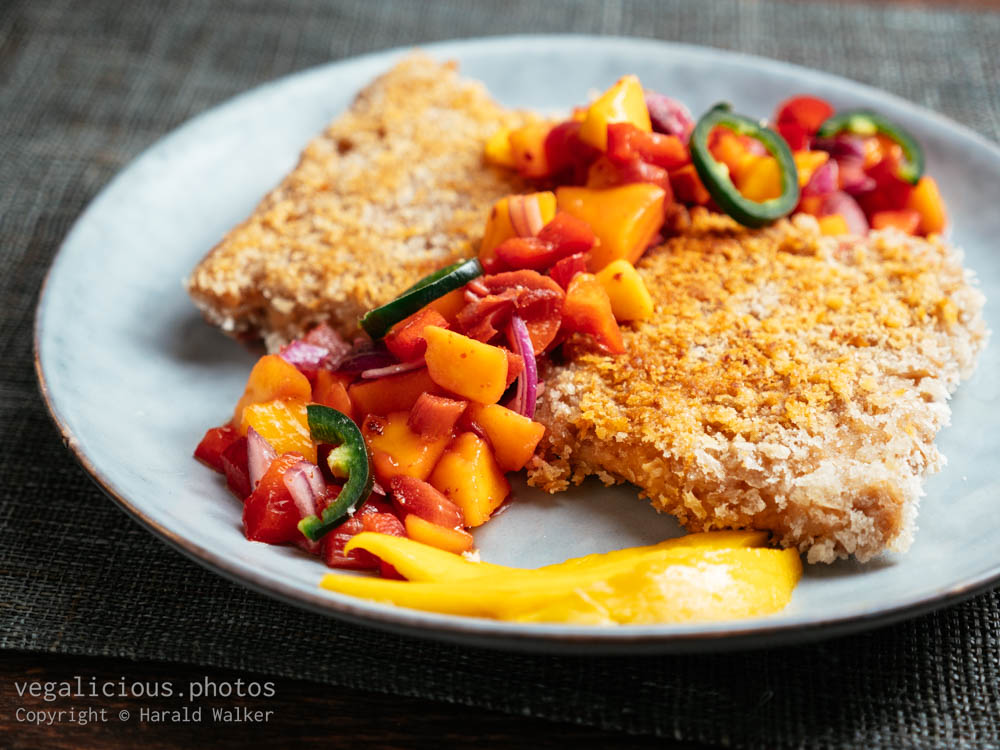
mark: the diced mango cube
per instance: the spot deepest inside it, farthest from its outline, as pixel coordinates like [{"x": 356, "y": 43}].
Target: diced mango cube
[
  {"x": 926, "y": 200},
  {"x": 807, "y": 162},
  {"x": 469, "y": 476},
  {"x": 513, "y": 436},
  {"x": 271, "y": 378},
  {"x": 625, "y": 219},
  {"x": 284, "y": 424},
  {"x": 762, "y": 180},
  {"x": 396, "y": 449},
  {"x": 498, "y": 149},
  {"x": 527, "y": 147},
  {"x": 392, "y": 393},
  {"x": 623, "y": 102},
  {"x": 464, "y": 366},
  {"x": 630, "y": 299}
]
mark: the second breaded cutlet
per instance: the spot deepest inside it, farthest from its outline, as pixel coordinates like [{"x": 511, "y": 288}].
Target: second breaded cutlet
[
  {"x": 395, "y": 188},
  {"x": 788, "y": 381}
]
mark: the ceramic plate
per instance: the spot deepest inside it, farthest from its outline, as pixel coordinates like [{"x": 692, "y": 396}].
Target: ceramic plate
[{"x": 133, "y": 376}]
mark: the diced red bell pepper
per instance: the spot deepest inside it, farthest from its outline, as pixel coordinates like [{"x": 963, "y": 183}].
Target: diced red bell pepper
[
  {"x": 236, "y": 468},
  {"x": 406, "y": 338},
  {"x": 526, "y": 252},
  {"x": 891, "y": 192},
  {"x": 904, "y": 220},
  {"x": 797, "y": 119},
  {"x": 411, "y": 495},
  {"x": 214, "y": 444},
  {"x": 485, "y": 317},
  {"x": 332, "y": 545},
  {"x": 433, "y": 416},
  {"x": 269, "y": 513},
  {"x": 563, "y": 271},
  {"x": 688, "y": 187},
  {"x": 588, "y": 310},
  {"x": 627, "y": 143},
  {"x": 566, "y": 153},
  {"x": 539, "y": 302},
  {"x": 568, "y": 235}
]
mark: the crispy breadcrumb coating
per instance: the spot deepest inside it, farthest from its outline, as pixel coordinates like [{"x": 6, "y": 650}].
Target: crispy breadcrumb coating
[
  {"x": 788, "y": 381},
  {"x": 395, "y": 188}
]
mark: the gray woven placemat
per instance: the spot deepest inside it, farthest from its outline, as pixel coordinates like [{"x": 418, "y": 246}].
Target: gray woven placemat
[{"x": 86, "y": 86}]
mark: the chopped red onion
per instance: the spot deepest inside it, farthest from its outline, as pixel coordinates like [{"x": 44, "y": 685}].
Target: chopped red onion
[
  {"x": 843, "y": 146},
  {"x": 477, "y": 287},
  {"x": 527, "y": 381},
  {"x": 305, "y": 484},
  {"x": 823, "y": 180},
  {"x": 843, "y": 204},
  {"x": 260, "y": 454},
  {"x": 324, "y": 336},
  {"x": 669, "y": 115},
  {"x": 517, "y": 210},
  {"x": 305, "y": 357},
  {"x": 853, "y": 178},
  {"x": 367, "y": 355},
  {"x": 470, "y": 296},
  {"x": 396, "y": 369}
]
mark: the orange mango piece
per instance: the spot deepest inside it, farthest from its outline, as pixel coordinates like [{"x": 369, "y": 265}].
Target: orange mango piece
[
  {"x": 926, "y": 200},
  {"x": 587, "y": 309},
  {"x": 527, "y": 147},
  {"x": 435, "y": 535},
  {"x": 330, "y": 389},
  {"x": 448, "y": 305},
  {"x": 625, "y": 219},
  {"x": 392, "y": 393},
  {"x": 396, "y": 449},
  {"x": 284, "y": 424},
  {"x": 271, "y": 378},
  {"x": 464, "y": 366},
  {"x": 623, "y": 102},
  {"x": 833, "y": 224},
  {"x": 499, "y": 226},
  {"x": 807, "y": 162},
  {"x": 762, "y": 180},
  {"x": 513, "y": 436},
  {"x": 498, "y": 149},
  {"x": 906, "y": 221},
  {"x": 630, "y": 299},
  {"x": 469, "y": 476}
]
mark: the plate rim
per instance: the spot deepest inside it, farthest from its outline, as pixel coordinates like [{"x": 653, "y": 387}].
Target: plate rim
[{"x": 476, "y": 631}]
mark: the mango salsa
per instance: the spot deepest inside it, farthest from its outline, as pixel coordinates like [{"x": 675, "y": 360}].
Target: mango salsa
[{"x": 625, "y": 219}]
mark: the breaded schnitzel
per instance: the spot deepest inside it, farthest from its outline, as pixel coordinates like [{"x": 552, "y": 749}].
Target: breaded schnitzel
[
  {"x": 393, "y": 189},
  {"x": 788, "y": 381}
]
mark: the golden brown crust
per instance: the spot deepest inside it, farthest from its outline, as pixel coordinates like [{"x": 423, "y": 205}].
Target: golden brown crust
[
  {"x": 788, "y": 382},
  {"x": 393, "y": 189}
]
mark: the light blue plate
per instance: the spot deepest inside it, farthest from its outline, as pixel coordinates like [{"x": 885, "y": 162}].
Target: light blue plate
[{"x": 133, "y": 376}]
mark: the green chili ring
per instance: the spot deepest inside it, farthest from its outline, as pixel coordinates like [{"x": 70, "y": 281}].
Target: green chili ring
[
  {"x": 349, "y": 458},
  {"x": 377, "y": 322},
  {"x": 719, "y": 184},
  {"x": 865, "y": 122}
]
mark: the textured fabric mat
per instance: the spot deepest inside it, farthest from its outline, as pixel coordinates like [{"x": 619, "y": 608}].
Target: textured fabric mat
[{"x": 86, "y": 86}]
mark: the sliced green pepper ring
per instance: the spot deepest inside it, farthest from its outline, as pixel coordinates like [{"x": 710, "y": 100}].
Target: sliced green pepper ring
[
  {"x": 719, "y": 184},
  {"x": 865, "y": 122},
  {"x": 377, "y": 322},
  {"x": 349, "y": 459}
]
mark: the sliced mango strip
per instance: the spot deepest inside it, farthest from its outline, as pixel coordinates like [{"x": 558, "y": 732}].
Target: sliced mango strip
[{"x": 420, "y": 562}]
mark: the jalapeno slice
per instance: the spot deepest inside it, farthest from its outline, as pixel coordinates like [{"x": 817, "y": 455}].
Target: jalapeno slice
[
  {"x": 377, "y": 322},
  {"x": 348, "y": 459},
  {"x": 866, "y": 122},
  {"x": 715, "y": 175}
]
